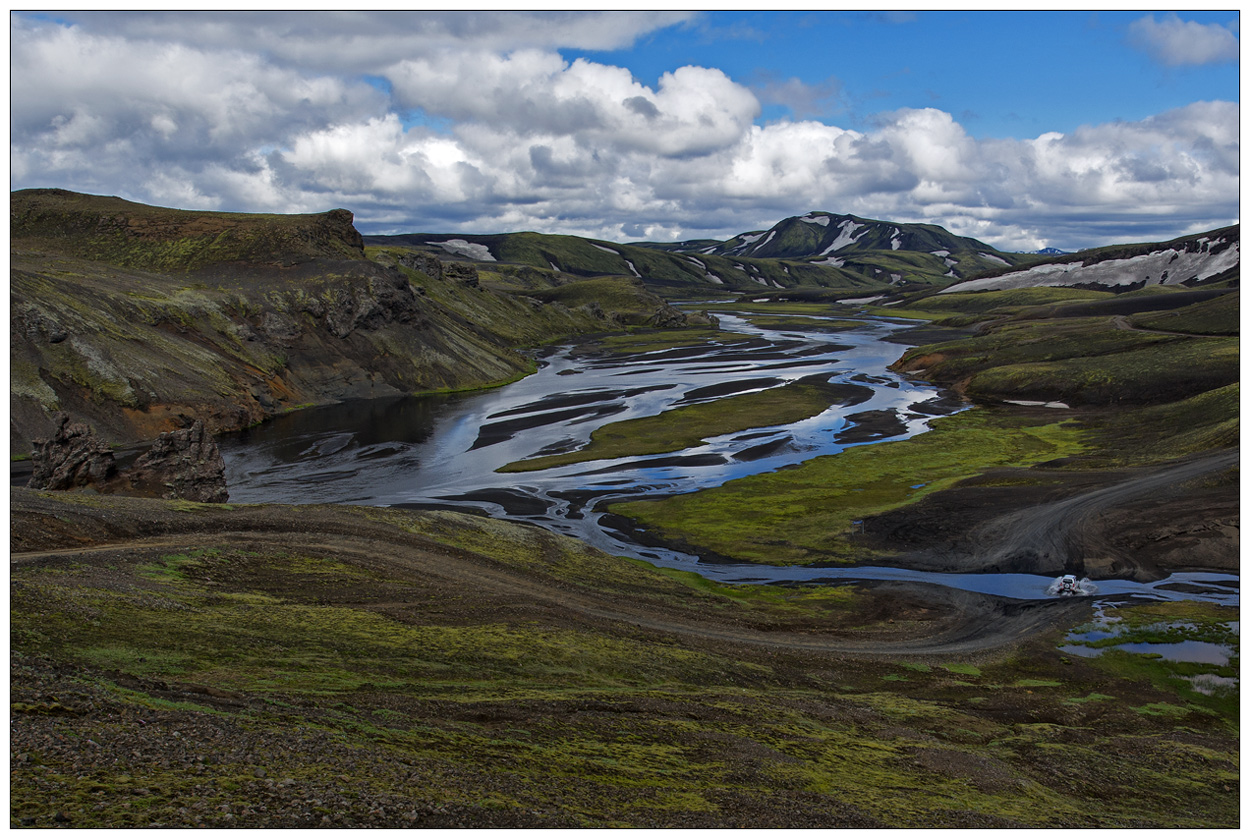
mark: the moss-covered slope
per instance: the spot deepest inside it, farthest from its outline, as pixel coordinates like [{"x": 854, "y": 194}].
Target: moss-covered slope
[
  {"x": 133, "y": 318},
  {"x": 348, "y": 667}
]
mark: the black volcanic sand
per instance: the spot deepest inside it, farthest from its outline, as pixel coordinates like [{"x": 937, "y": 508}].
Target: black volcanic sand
[
  {"x": 497, "y": 432},
  {"x": 727, "y": 388},
  {"x": 873, "y": 425},
  {"x": 752, "y": 351},
  {"x": 766, "y": 449}
]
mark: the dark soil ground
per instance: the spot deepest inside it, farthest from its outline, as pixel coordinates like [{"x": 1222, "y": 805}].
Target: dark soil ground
[{"x": 180, "y": 665}]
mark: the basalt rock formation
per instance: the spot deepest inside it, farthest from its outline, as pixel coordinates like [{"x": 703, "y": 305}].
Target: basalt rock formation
[
  {"x": 182, "y": 464},
  {"x": 71, "y": 458}
]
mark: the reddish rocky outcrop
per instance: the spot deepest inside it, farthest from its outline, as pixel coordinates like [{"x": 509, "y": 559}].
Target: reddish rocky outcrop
[
  {"x": 72, "y": 458},
  {"x": 181, "y": 464}
]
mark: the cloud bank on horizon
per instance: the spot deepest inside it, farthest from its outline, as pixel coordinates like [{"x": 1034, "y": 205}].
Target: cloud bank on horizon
[{"x": 632, "y": 126}]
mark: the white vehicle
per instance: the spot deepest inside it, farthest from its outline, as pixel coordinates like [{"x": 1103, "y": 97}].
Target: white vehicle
[{"x": 1069, "y": 586}]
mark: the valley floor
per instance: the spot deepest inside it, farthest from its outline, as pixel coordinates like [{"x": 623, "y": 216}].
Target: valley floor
[{"x": 184, "y": 665}]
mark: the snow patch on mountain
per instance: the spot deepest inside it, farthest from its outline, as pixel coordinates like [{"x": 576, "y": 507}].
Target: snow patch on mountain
[
  {"x": 460, "y": 247},
  {"x": 846, "y": 236},
  {"x": 605, "y": 250},
  {"x": 895, "y": 240},
  {"x": 823, "y": 221},
  {"x": 993, "y": 258},
  {"x": 771, "y": 234},
  {"x": 1168, "y": 266},
  {"x": 632, "y": 268}
]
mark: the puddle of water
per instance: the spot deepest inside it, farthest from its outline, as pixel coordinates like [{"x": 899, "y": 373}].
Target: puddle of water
[
  {"x": 1211, "y": 685},
  {"x": 1189, "y": 650},
  {"x": 1197, "y": 652}
]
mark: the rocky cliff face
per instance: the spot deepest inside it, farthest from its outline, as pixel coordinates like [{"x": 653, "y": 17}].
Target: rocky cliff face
[
  {"x": 71, "y": 458},
  {"x": 137, "y": 319}
]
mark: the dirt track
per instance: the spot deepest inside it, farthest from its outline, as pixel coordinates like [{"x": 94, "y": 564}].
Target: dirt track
[
  {"x": 958, "y": 623},
  {"x": 1041, "y": 538},
  {"x": 1052, "y": 532},
  {"x": 1139, "y": 524}
]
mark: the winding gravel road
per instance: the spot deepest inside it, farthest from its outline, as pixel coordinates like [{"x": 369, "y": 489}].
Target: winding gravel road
[
  {"x": 1052, "y": 531},
  {"x": 978, "y": 622}
]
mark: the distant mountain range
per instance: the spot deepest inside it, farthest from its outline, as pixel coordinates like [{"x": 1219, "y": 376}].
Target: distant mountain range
[{"x": 814, "y": 251}]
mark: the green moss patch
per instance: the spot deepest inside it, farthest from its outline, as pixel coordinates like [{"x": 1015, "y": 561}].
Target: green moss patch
[{"x": 804, "y": 514}]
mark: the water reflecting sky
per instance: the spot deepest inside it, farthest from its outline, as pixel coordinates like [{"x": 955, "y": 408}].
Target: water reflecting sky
[{"x": 443, "y": 450}]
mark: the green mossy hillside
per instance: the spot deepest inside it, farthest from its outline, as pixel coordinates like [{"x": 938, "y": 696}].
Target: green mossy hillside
[
  {"x": 1027, "y": 348},
  {"x": 130, "y": 235},
  {"x": 131, "y": 318}
]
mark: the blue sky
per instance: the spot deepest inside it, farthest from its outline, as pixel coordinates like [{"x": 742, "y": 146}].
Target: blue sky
[
  {"x": 1023, "y": 129},
  {"x": 1003, "y": 74}
]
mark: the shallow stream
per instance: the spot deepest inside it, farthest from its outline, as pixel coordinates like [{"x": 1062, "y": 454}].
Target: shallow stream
[{"x": 443, "y": 451}]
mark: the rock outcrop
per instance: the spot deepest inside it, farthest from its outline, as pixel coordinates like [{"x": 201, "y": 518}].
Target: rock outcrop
[
  {"x": 72, "y": 458},
  {"x": 181, "y": 464}
]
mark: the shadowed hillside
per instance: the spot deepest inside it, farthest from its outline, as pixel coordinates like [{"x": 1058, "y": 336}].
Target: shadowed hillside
[{"x": 137, "y": 319}]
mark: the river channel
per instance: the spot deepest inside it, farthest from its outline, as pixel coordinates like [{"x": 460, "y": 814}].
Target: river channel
[{"x": 443, "y": 451}]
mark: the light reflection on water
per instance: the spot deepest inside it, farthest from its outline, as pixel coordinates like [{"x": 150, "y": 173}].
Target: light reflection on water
[
  {"x": 443, "y": 450},
  {"x": 1109, "y": 627}
]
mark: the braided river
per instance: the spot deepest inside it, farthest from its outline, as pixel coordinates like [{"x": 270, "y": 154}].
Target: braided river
[{"x": 442, "y": 451}]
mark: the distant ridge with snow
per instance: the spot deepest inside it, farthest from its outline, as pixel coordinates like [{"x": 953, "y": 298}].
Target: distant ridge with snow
[{"x": 1187, "y": 261}]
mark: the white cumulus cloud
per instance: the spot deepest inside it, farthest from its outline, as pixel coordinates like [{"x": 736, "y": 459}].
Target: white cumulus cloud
[
  {"x": 464, "y": 124},
  {"x": 1177, "y": 42}
]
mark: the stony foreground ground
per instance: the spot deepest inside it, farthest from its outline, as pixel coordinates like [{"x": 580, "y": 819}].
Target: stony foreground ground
[{"x": 179, "y": 664}]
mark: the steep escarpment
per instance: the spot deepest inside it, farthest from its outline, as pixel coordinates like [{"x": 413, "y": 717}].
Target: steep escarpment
[{"x": 138, "y": 320}]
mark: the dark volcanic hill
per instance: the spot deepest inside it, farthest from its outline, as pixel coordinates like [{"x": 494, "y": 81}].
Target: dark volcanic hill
[
  {"x": 820, "y": 234},
  {"x": 901, "y": 253}
]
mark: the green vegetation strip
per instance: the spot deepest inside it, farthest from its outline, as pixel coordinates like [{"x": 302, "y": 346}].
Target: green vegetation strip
[
  {"x": 804, "y": 514},
  {"x": 687, "y": 426}
]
